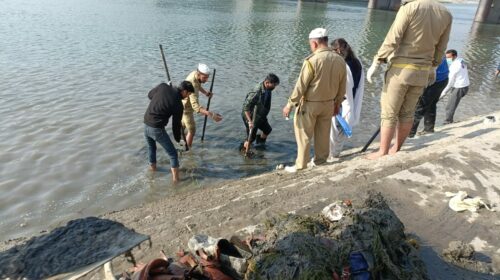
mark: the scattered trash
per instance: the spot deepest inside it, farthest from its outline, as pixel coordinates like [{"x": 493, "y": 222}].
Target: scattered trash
[
  {"x": 347, "y": 202},
  {"x": 489, "y": 120},
  {"x": 462, "y": 255},
  {"x": 336, "y": 210},
  {"x": 366, "y": 242},
  {"x": 414, "y": 243},
  {"x": 201, "y": 241},
  {"x": 233, "y": 260},
  {"x": 460, "y": 202},
  {"x": 333, "y": 212},
  {"x": 363, "y": 242},
  {"x": 360, "y": 269}
]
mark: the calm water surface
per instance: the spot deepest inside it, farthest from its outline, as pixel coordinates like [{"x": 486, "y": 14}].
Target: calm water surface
[{"x": 75, "y": 74}]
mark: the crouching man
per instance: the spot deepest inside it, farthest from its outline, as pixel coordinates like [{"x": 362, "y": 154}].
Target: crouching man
[
  {"x": 259, "y": 100},
  {"x": 165, "y": 103}
]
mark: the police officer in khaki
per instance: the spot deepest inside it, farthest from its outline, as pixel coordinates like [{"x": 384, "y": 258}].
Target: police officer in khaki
[
  {"x": 192, "y": 104},
  {"x": 413, "y": 48},
  {"x": 317, "y": 96}
]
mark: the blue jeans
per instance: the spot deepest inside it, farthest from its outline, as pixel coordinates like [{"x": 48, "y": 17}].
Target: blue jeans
[{"x": 159, "y": 135}]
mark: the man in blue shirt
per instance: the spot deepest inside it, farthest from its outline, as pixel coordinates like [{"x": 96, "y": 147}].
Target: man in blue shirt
[{"x": 426, "y": 106}]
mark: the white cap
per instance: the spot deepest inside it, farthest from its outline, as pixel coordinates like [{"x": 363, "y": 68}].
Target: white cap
[
  {"x": 203, "y": 68},
  {"x": 318, "y": 33}
]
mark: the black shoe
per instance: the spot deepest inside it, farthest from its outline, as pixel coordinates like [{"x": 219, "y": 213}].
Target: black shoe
[{"x": 412, "y": 133}]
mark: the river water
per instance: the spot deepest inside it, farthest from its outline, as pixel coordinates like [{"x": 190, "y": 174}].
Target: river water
[{"x": 75, "y": 74}]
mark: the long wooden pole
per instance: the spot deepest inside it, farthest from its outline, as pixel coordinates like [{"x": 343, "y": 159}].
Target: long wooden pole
[
  {"x": 208, "y": 107},
  {"x": 170, "y": 83},
  {"x": 165, "y": 63}
]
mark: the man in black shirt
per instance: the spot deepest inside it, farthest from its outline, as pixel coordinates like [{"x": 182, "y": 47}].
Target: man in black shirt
[
  {"x": 260, "y": 96},
  {"x": 165, "y": 103}
]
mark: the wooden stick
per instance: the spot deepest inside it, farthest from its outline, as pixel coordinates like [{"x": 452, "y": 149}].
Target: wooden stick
[
  {"x": 208, "y": 107},
  {"x": 165, "y": 63}
]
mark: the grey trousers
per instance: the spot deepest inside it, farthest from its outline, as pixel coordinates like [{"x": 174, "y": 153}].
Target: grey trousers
[{"x": 455, "y": 96}]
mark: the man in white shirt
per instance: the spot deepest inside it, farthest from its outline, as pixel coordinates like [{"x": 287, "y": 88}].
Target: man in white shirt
[{"x": 458, "y": 83}]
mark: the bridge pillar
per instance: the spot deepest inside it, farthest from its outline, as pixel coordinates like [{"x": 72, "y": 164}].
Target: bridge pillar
[
  {"x": 392, "y": 5},
  {"x": 488, "y": 11}
]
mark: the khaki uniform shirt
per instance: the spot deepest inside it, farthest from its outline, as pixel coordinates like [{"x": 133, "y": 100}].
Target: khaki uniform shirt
[
  {"x": 419, "y": 34},
  {"x": 322, "y": 78},
  {"x": 192, "y": 104}
]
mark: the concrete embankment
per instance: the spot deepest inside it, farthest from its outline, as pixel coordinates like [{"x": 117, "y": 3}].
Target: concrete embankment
[{"x": 463, "y": 156}]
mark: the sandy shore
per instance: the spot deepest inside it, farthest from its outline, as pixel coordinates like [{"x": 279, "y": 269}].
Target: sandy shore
[{"x": 462, "y": 156}]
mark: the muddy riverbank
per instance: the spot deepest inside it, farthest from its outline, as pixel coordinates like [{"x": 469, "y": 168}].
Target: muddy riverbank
[{"x": 464, "y": 156}]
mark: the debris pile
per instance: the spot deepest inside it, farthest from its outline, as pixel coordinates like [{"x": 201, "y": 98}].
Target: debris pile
[
  {"x": 346, "y": 241},
  {"x": 461, "y": 254},
  {"x": 368, "y": 240}
]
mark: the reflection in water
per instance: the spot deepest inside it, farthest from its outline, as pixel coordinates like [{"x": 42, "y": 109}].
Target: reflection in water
[
  {"x": 72, "y": 101},
  {"x": 481, "y": 52}
]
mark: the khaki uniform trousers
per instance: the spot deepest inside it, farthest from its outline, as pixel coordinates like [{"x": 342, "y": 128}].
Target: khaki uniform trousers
[
  {"x": 188, "y": 123},
  {"x": 313, "y": 122},
  {"x": 401, "y": 92}
]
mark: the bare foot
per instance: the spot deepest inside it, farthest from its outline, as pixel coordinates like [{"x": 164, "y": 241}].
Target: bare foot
[
  {"x": 152, "y": 167},
  {"x": 375, "y": 155},
  {"x": 392, "y": 150},
  {"x": 175, "y": 175}
]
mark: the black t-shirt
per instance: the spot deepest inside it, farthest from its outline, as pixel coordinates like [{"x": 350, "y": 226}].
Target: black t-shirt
[{"x": 165, "y": 103}]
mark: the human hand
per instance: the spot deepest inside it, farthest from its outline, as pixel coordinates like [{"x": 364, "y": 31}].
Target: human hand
[
  {"x": 432, "y": 77},
  {"x": 372, "y": 70},
  {"x": 216, "y": 117},
  {"x": 443, "y": 93},
  {"x": 250, "y": 125},
  {"x": 336, "y": 109},
  {"x": 209, "y": 94},
  {"x": 286, "y": 111}
]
